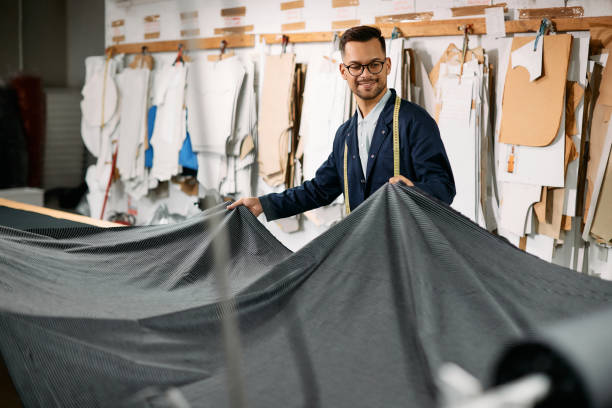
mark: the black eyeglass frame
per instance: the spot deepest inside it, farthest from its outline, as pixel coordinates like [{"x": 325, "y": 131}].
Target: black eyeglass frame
[{"x": 363, "y": 66}]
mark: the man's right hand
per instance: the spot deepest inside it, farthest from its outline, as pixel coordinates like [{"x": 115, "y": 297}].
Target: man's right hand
[{"x": 252, "y": 203}]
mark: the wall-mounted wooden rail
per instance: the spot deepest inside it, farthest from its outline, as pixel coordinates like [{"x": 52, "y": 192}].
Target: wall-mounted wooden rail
[
  {"x": 209, "y": 43},
  {"x": 431, "y": 28}
]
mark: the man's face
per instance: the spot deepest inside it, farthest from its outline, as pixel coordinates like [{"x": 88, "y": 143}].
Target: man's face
[{"x": 366, "y": 85}]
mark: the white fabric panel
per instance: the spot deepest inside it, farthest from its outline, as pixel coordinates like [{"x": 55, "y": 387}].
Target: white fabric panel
[
  {"x": 516, "y": 201},
  {"x": 100, "y": 96},
  {"x": 169, "y": 131},
  {"x": 246, "y": 117},
  {"x": 396, "y": 54},
  {"x": 425, "y": 96},
  {"x": 460, "y": 134},
  {"x": 212, "y": 92},
  {"x": 95, "y": 192},
  {"x": 94, "y": 136},
  {"x": 322, "y": 112},
  {"x": 133, "y": 85},
  {"x": 211, "y": 170}
]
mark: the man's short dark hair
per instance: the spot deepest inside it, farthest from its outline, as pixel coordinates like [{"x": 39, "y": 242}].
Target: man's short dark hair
[{"x": 362, "y": 34}]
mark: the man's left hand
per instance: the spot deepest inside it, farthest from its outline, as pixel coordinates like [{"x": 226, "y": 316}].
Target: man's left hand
[{"x": 397, "y": 179}]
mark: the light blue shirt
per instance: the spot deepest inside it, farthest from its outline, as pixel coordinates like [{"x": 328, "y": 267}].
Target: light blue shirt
[{"x": 366, "y": 127}]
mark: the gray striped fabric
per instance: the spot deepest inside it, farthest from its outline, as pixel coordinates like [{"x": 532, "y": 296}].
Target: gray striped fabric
[{"x": 361, "y": 317}]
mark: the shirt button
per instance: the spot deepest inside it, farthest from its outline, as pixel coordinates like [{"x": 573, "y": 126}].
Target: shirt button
[
  {"x": 353, "y": 156},
  {"x": 383, "y": 132},
  {"x": 372, "y": 156}
]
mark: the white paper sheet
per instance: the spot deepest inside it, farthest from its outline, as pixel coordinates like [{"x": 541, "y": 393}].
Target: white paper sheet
[
  {"x": 516, "y": 201},
  {"x": 576, "y": 72},
  {"x": 428, "y": 100},
  {"x": 541, "y": 246},
  {"x": 494, "y": 20},
  {"x": 458, "y": 134},
  {"x": 530, "y": 59},
  {"x": 456, "y": 101},
  {"x": 540, "y": 166},
  {"x": 396, "y": 52}
]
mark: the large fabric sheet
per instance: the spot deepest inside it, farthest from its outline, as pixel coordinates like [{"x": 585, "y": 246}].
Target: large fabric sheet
[{"x": 362, "y": 316}]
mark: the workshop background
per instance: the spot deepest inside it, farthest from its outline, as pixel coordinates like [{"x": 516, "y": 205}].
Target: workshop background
[
  {"x": 96, "y": 109},
  {"x": 153, "y": 113}
]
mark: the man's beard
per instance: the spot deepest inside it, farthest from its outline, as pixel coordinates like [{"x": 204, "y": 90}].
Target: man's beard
[{"x": 372, "y": 93}]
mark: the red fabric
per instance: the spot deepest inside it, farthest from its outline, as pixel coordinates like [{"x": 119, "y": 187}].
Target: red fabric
[{"x": 31, "y": 100}]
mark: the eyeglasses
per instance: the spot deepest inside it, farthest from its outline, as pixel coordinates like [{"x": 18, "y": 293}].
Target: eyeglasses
[{"x": 375, "y": 67}]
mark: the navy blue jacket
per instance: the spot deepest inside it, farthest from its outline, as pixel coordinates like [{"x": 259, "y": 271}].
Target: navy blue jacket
[{"x": 422, "y": 160}]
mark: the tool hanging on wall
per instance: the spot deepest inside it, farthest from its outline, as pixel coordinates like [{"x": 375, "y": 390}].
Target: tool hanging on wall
[
  {"x": 222, "y": 53},
  {"x": 334, "y": 46},
  {"x": 546, "y": 26},
  {"x": 467, "y": 28},
  {"x": 396, "y": 33},
  {"x": 336, "y": 41},
  {"x": 181, "y": 56},
  {"x": 143, "y": 59},
  {"x": 223, "y": 47},
  {"x": 284, "y": 43}
]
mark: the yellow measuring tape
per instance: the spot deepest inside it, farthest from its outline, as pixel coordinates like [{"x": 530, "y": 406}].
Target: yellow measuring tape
[{"x": 396, "y": 159}]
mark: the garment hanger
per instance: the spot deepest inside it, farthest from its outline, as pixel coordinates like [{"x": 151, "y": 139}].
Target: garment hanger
[
  {"x": 334, "y": 46},
  {"x": 546, "y": 26},
  {"x": 180, "y": 56},
  {"x": 396, "y": 33},
  {"x": 222, "y": 54},
  {"x": 466, "y": 30}
]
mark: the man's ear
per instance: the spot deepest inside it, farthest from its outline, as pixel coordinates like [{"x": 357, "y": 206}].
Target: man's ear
[
  {"x": 388, "y": 65},
  {"x": 342, "y": 70}
]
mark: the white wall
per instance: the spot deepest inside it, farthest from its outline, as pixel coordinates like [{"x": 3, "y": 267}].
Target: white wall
[{"x": 266, "y": 17}]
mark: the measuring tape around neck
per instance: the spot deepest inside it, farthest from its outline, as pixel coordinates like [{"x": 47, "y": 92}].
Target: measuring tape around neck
[{"x": 396, "y": 161}]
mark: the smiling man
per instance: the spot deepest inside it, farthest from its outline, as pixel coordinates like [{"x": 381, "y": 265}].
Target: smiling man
[{"x": 367, "y": 152}]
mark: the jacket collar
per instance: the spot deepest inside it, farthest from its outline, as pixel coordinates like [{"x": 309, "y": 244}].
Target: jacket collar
[
  {"x": 387, "y": 113},
  {"x": 382, "y": 131},
  {"x": 385, "y": 121}
]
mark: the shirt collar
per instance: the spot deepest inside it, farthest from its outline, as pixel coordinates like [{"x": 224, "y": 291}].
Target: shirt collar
[{"x": 375, "y": 113}]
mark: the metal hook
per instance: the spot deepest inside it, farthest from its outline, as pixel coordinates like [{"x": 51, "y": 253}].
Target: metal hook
[
  {"x": 143, "y": 50},
  {"x": 179, "y": 57},
  {"x": 466, "y": 29},
  {"x": 395, "y": 33},
  {"x": 545, "y": 26},
  {"x": 336, "y": 40},
  {"x": 222, "y": 49},
  {"x": 110, "y": 52},
  {"x": 284, "y": 43}
]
